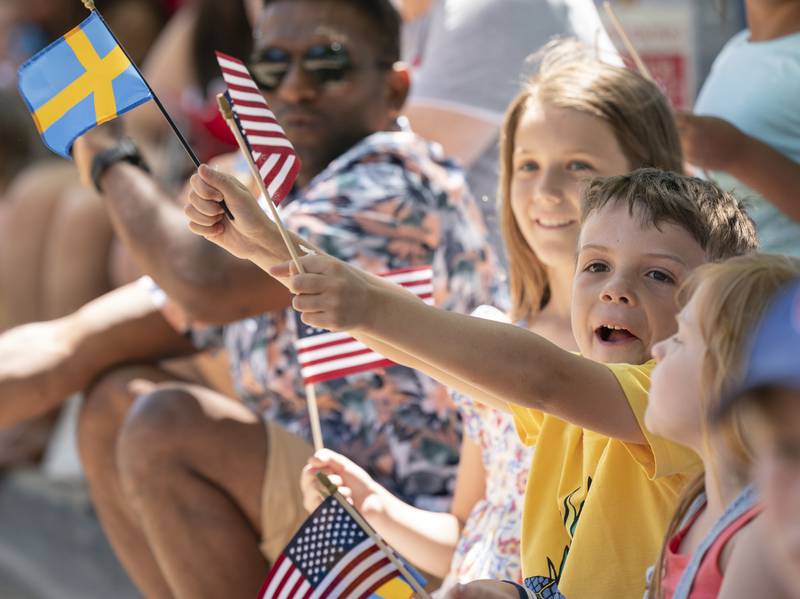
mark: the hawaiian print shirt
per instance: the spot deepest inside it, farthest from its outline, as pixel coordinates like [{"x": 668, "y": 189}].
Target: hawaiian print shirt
[{"x": 390, "y": 202}]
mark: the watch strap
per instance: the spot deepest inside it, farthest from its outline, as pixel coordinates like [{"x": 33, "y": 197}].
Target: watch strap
[{"x": 124, "y": 151}]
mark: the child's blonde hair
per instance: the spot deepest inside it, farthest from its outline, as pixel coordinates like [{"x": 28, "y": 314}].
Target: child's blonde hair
[
  {"x": 570, "y": 76},
  {"x": 731, "y": 297}
]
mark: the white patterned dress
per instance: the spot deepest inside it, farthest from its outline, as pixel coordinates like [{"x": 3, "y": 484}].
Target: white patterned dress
[{"x": 489, "y": 546}]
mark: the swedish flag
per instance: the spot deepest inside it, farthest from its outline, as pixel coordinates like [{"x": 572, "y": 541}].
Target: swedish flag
[{"x": 78, "y": 82}]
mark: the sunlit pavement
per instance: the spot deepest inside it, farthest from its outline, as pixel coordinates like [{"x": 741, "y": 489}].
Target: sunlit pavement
[{"x": 51, "y": 545}]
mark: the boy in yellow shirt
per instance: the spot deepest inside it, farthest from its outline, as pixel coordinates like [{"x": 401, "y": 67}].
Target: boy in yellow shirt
[{"x": 601, "y": 488}]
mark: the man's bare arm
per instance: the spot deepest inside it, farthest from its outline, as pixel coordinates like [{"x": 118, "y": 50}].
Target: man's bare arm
[
  {"x": 209, "y": 283},
  {"x": 41, "y": 364}
]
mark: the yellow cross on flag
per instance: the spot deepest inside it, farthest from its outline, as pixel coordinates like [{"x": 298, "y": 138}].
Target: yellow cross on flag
[{"x": 78, "y": 82}]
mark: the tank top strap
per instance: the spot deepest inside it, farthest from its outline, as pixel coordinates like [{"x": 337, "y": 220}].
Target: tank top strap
[
  {"x": 712, "y": 557},
  {"x": 744, "y": 502}
]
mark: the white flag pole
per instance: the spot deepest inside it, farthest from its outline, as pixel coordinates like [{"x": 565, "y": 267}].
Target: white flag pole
[
  {"x": 227, "y": 113},
  {"x": 637, "y": 59}
]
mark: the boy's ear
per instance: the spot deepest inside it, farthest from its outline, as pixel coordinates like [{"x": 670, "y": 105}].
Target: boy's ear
[{"x": 399, "y": 84}]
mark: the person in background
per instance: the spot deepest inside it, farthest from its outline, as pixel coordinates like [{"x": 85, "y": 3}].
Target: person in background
[
  {"x": 745, "y": 128},
  {"x": 55, "y": 237}
]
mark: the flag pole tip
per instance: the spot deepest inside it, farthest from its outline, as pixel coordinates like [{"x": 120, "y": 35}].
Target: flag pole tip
[
  {"x": 89, "y": 4},
  {"x": 224, "y": 107}
]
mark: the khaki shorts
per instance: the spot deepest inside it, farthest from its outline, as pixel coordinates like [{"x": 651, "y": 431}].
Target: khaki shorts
[{"x": 282, "y": 510}]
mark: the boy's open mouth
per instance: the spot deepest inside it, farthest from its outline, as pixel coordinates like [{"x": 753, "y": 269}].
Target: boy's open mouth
[{"x": 614, "y": 334}]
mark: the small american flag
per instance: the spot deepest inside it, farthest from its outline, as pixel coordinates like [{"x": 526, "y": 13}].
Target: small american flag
[
  {"x": 332, "y": 556},
  {"x": 272, "y": 151},
  {"x": 325, "y": 356}
]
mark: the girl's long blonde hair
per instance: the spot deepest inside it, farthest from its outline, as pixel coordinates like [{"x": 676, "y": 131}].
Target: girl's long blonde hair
[
  {"x": 732, "y": 296},
  {"x": 570, "y": 76}
]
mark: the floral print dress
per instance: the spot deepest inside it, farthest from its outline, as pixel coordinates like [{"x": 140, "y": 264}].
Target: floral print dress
[{"x": 489, "y": 546}]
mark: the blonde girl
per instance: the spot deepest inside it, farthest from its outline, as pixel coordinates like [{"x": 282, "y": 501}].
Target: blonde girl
[
  {"x": 711, "y": 548},
  {"x": 578, "y": 118}
]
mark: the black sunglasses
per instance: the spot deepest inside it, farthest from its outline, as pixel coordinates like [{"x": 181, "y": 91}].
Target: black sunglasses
[{"x": 325, "y": 63}]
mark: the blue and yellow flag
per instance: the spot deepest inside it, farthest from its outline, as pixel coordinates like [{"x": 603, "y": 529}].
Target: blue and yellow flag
[{"x": 78, "y": 82}]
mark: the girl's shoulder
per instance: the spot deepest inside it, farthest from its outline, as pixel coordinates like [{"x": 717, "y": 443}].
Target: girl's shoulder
[{"x": 749, "y": 571}]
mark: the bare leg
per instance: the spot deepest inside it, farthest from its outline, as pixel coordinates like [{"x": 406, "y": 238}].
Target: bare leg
[
  {"x": 33, "y": 198},
  {"x": 121, "y": 270},
  {"x": 192, "y": 465},
  {"x": 43, "y": 263},
  {"x": 76, "y": 264},
  {"x": 5, "y": 219},
  {"x": 101, "y": 418}
]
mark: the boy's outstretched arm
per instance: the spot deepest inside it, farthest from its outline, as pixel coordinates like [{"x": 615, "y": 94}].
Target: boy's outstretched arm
[
  {"x": 253, "y": 236},
  {"x": 500, "y": 360},
  {"x": 492, "y": 362}
]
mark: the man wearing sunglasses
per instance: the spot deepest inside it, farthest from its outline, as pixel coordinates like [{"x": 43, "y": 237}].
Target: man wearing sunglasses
[{"x": 198, "y": 492}]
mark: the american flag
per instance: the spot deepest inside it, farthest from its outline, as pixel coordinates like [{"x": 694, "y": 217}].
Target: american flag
[
  {"x": 325, "y": 356},
  {"x": 272, "y": 151},
  {"x": 332, "y": 556}
]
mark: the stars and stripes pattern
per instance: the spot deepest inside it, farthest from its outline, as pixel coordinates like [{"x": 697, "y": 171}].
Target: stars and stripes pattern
[
  {"x": 272, "y": 151},
  {"x": 332, "y": 556},
  {"x": 325, "y": 356}
]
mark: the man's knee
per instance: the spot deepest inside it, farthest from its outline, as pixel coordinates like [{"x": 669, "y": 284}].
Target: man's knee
[
  {"x": 105, "y": 406},
  {"x": 151, "y": 440}
]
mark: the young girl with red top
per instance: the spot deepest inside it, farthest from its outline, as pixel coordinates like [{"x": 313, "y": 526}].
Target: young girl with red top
[{"x": 711, "y": 548}]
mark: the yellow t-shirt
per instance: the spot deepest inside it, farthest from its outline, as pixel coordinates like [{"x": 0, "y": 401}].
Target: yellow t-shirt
[{"x": 596, "y": 508}]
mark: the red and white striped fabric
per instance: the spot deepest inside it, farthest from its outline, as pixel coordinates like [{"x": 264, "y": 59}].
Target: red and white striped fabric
[
  {"x": 333, "y": 556},
  {"x": 325, "y": 356},
  {"x": 272, "y": 151}
]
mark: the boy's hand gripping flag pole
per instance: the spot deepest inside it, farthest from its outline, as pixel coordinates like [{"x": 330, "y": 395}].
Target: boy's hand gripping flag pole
[{"x": 227, "y": 112}]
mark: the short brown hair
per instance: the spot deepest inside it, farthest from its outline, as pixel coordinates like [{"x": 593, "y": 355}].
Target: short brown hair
[
  {"x": 714, "y": 218},
  {"x": 571, "y": 76}
]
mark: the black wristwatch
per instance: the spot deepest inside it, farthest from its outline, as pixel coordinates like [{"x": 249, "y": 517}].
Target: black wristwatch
[{"x": 124, "y": 151}]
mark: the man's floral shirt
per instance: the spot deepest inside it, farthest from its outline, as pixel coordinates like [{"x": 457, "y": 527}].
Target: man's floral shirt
[{"x": 390, "y": 202}]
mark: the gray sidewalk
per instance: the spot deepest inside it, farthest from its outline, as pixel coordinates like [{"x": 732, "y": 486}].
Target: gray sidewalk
[{"x": 51, "y": 545}]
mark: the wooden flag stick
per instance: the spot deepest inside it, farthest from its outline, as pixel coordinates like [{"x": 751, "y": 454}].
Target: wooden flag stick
[
  {"x": 227, "y": 113},
  {"x": 89, "y": 4},
  {"x": 388, "y": 551},
  {"x": 637, "y": 59},
  {"x": 313, "y": 416}
]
